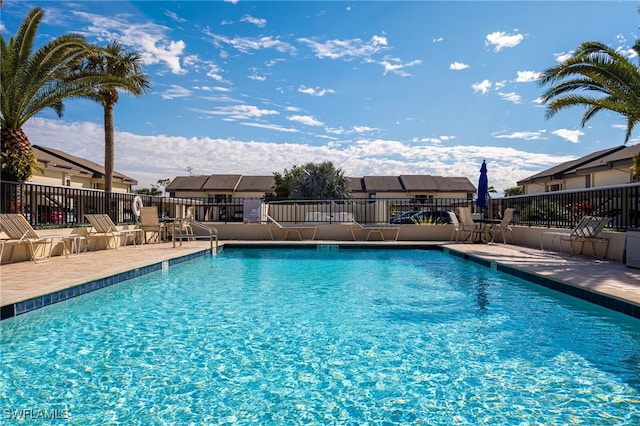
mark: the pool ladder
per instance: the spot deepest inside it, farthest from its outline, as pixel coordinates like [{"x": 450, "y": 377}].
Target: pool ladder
[{"x": 180, "y": 233}]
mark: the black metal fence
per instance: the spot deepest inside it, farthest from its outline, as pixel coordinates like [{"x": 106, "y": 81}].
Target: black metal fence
[
  {"x": 363, "y": 210},
  {"x": 60, "y": 206},
  {"x": 47, "y": 206},
  {"x": 565, "y": 208}
]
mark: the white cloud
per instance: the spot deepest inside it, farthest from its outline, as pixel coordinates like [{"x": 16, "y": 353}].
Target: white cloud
[
  {"x": 572, "y": 136},
  {"x": 456, "y": 66},
  {"x": 378, "y": 40},
  {"x": 437, "y": 40},
  {"x": 499, "y": 40},
  {"x": 394, "y": 65},
  {"x": 346, "y": 49},
  {"x": 214, "y": 72},
  {"x": 482, "y": 87},
  {"x": 561, "y": 57},
  {"x": 175, "y": 91},
  {"x": 272, "y": 62},
  {"x": 363, "y": 129},
  {"x": 529, "y": 136},
  {"x": 259, "y": 22},
  {"x": 499, "y": 85},
  {"x": 306, "y": 120},
  {"x": 527, "y": 76},
  {"x": 272, "y": 127},
  {"x": 239, "y": 112},
  {"x": 169, "y": 156},
  {"x": 511, "y": 97},
  {"x": 213, "y": 89},
  {"x": 250, "y": 44},
  {"x": 174, "y": 16},
  {"x": 314, "y": 92},
  {"x": 148, "y": 39}
]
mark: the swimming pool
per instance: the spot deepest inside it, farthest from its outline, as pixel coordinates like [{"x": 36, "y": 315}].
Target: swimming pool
[{"x": 323, "y": 337}]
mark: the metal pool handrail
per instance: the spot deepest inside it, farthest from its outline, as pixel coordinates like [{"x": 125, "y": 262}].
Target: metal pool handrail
[{"x": 213, "y": 232}]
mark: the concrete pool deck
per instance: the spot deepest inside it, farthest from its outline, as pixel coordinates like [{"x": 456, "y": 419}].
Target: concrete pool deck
[{"x": 613, "y": 281}]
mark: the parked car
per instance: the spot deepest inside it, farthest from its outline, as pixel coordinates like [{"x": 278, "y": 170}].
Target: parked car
[
  {"x": 426, "y": 216},
  {"x": 402, "y": 218}
]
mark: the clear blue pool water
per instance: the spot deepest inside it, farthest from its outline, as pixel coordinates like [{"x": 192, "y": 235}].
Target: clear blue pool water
[{"x": 323, "y": 337}]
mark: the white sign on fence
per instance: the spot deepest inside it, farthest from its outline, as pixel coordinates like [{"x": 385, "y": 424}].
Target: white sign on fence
[{"x": 251, "y": 210}]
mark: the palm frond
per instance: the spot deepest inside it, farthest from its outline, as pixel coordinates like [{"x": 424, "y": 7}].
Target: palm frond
[{"x": 595, "y": 77}]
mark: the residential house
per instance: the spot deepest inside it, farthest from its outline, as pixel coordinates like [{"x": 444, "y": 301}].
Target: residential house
[
  {"x": 219, "y": 188},
  {"x": 608, "y": 167},
  {"x": 63, "y": 169}
]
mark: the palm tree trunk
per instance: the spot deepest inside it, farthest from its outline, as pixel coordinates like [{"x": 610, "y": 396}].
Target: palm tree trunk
[
  {"x": 109, "y": 146},
  {"x": 16, "y": 151}
]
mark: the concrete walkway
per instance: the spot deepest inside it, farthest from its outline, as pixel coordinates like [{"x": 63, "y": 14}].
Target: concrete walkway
[{"x": 23, "y": 281}]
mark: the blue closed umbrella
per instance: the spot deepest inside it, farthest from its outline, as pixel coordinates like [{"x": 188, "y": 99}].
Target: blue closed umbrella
[{"x": 483, "y": 187}]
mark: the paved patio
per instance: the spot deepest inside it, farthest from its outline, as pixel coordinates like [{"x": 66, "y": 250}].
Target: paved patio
[{"x": 27, "y": 280}]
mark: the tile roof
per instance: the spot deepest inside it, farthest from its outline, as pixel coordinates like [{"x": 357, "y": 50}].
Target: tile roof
[
  {"x": 357, "y": 185},
  {"x": 382, "y": 184},
  {"x": 221, "y": 183},
  {"x": 556, "y": 172},
  {"x": 419, "y": 182},
  {"x": 256, "y": 184},
  {"x": 186, "y": 183},
  {"x": 54, "y": 158},
  {"x": 620, "y": 158}
]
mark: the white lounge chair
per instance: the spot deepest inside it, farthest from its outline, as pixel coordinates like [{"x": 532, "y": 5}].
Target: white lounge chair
[
  {"x": 103, "y": 226},
  {"x": 587, "y": 231},
  {"x": 275, "y": 228},
  {"x": 16, "y": 227},
  {"x": 391, "y": 230}
]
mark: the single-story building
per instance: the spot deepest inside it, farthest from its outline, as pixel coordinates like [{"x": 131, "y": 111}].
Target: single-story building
[{"x": 220, "y": 187}]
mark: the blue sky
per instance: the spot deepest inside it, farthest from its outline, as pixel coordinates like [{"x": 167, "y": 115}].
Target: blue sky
[{"x": 378, "y": 88}]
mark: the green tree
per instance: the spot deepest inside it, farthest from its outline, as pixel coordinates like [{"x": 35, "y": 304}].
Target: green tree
[
  {"x": 513, "y": 191},
  {"x": 153, "y": 190},
  {"x": 312, "y": 181},
  {"x": 163, "y": 183},
  {"x": 32, "y": 81},
  {"x": 597, "y": 78},
  {"x": 125, "y": 70},
  {"x": 636, "y": 168}
]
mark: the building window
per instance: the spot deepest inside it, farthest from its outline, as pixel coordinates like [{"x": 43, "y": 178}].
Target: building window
[
  {"x": 67, "y": 181},
  {"x": 424, "y": 199},
  {"x": 553, "y": 188},
  {"x": 221, "y": 198},
  {"x": 587, "y": 181}
]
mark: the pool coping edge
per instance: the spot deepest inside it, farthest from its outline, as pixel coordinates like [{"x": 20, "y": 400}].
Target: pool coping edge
[
  {"x": 18, "y": 308},
  {"x": 593, "y": 296}
]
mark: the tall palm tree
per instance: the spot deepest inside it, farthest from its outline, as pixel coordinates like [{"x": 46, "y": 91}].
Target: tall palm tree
[
  {"x": 32, "y": 81},
  {"x": 598, "y": 78},
  {"x": 126, "y": 68}
]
